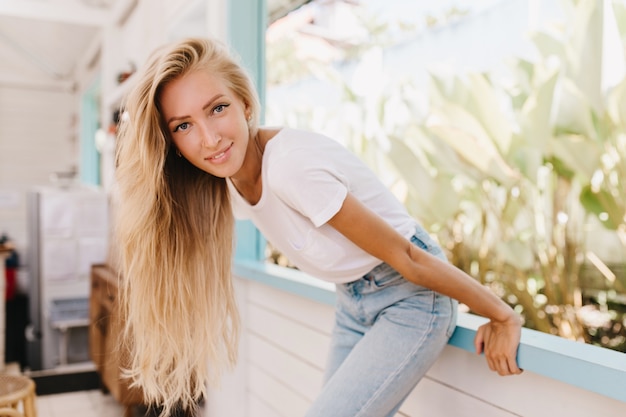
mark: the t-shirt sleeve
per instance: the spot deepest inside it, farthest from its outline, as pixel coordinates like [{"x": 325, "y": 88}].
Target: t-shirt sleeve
[{"x": 308, "y": 183}]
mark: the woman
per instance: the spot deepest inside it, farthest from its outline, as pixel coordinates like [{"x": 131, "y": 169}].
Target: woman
[{"x": 191, "y": 149}]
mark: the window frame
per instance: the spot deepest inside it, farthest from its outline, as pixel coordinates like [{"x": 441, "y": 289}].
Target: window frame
[{"x": 590, "y": 367}]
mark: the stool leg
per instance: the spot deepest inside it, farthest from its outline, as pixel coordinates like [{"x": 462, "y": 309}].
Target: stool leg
[{"x": 30, "y": 409}]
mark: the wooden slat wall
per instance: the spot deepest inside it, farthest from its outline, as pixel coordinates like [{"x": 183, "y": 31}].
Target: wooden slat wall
[
  {"x": 38, "y": 136},
  {"x": 287, "y": 345},
  {"x": 284, "y": 343}
]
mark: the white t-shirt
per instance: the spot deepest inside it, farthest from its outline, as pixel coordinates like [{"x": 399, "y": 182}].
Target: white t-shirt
[{"x": 306, "y": 177}]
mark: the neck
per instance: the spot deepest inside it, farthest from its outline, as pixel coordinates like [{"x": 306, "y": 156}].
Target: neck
[{"x": 248, "y": 180}]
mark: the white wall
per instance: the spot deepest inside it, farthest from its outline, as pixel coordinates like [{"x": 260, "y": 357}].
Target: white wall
[{"x": 38, "y": 136}]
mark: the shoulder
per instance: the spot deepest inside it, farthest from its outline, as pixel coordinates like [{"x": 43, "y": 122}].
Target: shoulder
[
  {"x": 295, "y": 158},
  {"x": 298, "y": 149},
  {"x": 280, "y": 142}
]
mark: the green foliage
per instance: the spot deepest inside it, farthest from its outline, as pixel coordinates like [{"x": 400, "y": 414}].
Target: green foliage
[{"x": 549, "y": 150}]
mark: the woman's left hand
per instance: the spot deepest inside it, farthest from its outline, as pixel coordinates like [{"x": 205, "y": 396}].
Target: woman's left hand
[{"x": 499, "y": 341}]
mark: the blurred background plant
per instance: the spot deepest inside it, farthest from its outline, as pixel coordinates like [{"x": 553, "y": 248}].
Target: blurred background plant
[
  {"x": 544, "y": 158},
  {"x": 521, "y": 176}
]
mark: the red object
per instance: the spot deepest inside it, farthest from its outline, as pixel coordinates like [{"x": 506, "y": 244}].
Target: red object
[{"x": 10, "y": 283}]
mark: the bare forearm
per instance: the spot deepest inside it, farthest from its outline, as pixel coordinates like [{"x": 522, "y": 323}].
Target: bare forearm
[
  {"x": 447, "y": 279},
  {"x": 498, "y": 339}
]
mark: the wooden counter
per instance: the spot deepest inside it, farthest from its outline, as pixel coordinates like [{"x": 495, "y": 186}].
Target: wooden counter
[{"x": 104, "y": 331}]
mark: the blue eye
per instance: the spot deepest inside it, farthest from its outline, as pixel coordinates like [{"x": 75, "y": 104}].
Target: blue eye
[
  {"x": 181, "y": 127},
  {"x": 220, "y": 108}
]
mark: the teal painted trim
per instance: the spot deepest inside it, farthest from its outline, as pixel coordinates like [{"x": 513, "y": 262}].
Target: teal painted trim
[
  {"x": 292, "y": 281},
  {"x": 589, "y": 367},
  {"x": 250, "y": 242},
  {"x": 89, "y": 156},
  {"x": 247, "y": 21}
]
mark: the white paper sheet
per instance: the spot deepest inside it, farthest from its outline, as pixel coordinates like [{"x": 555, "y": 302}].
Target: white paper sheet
[
  {"x": 57, "y": 215},
  {"x": 59, "y": 259},
  {"x": 90, "y": 251}
]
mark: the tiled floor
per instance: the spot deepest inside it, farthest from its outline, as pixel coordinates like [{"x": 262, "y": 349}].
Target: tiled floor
[
  {"x": 80, "y": 403},
  {"x": 92, "y": 403},
  {"x": 88, "y": 403}
]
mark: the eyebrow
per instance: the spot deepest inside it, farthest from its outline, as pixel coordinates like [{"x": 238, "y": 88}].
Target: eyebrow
[{"x": 208, "y": 104}]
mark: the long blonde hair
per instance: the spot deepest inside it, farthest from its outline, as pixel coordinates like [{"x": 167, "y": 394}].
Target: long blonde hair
[{"x": 175, "y": 230}]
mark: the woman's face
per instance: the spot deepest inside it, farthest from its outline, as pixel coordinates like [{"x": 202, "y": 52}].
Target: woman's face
[{"x": 207, "y": 122}]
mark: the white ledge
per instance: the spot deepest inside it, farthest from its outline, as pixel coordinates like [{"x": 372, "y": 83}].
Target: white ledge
[{"x": 590, "y": 367}]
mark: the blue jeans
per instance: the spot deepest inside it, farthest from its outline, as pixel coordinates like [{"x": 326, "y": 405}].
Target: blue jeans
[{"x": 388, "y": 333}]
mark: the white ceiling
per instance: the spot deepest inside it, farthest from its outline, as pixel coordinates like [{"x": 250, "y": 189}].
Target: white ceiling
[{"x": 41, "y": 41}]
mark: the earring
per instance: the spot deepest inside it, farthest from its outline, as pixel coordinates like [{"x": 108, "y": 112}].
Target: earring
[{"x": 178, "y": 153}]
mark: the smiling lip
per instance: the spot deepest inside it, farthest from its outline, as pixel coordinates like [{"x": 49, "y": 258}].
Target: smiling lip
[{"x": 220, "y": 155}]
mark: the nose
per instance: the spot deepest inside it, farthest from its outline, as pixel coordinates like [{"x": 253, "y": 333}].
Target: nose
[{"x": 210, "y": 137}]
